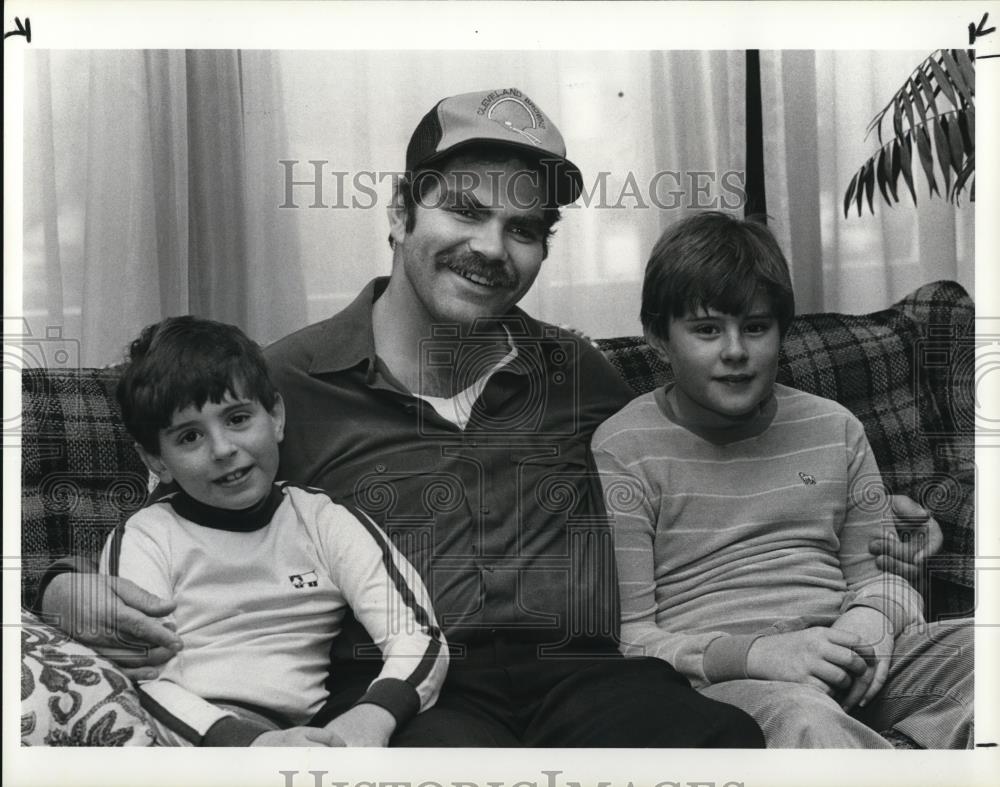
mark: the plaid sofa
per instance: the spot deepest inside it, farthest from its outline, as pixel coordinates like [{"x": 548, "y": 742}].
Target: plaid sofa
[{"x": 906, "y": 372}]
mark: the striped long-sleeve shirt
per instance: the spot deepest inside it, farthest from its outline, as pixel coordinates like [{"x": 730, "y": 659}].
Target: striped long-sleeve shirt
[
  {"x": 719, "y": 541},
  {"x": 260, "y": 596}
]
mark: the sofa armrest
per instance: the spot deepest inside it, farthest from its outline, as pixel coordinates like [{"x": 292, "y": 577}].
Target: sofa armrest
[
  {"x": 80, "y": 474},
  {"x": 71, "y": 696}
]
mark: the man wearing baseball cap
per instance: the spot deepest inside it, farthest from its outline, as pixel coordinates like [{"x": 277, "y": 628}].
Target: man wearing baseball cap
[{"x": 462, "y": 426}]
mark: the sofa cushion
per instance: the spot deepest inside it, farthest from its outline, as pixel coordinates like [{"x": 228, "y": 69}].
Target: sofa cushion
[
  {"x": 945, "y": 368},
  {"x": 71, "y": 696},
  {"x": 80, "y": 475}
]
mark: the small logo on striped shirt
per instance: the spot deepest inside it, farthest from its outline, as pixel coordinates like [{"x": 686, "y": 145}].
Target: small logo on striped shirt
[{"x": 307, "y": 579}]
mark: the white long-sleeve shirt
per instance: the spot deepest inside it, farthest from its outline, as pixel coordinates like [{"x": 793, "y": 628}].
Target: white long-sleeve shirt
[{"x": 260, "y": 596}]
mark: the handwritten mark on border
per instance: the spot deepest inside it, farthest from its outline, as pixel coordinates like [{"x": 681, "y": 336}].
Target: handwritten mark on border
[
  {"x": 978, "y": 31},
  {"x": 22, "y": 30}
]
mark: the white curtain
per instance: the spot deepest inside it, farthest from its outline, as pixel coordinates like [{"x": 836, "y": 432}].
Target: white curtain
[
  {"x": 156, "y": 182},
  {"x": 145, "y": 196},
  {"x": 817, "y": 106}
]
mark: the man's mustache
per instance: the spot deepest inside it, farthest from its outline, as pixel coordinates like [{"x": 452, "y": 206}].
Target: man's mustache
[{"x": 498, "y": 274}]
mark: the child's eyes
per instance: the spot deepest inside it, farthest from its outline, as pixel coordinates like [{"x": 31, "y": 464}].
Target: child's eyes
[
  {"x": 191, "y": 436},
  {"x": 752, "y": 328},
  {"x": 188, "y": 437}
]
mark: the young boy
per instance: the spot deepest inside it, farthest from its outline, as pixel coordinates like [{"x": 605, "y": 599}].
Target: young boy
[
  {"x": 262, "y": 573},
  {"x": 743, "y": 561}
]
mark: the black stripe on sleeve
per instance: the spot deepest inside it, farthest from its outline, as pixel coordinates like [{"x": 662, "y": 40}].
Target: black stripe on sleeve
[
  {"x": 398, "y": 581},
  {"x": 167, "y": 719},
  {"x": 422, "y": 616},
  {"x": 115, "y": 552},
  {"x": 419, "y": 674}
]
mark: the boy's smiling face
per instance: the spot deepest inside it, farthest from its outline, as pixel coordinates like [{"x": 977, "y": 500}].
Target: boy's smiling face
[
  {"x": 724, "y": 364},
  {"x": 224, "y": 454}
]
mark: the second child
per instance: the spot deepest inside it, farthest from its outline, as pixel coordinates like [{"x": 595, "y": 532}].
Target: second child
[
  {"x": 743, "y": 556},
  {"x": 262, "y": 574}
]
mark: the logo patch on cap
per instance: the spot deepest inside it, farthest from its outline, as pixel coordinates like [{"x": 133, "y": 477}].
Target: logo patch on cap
[
  {"x": 515, "y": 112},
  {"x": 505, "y": 116}
]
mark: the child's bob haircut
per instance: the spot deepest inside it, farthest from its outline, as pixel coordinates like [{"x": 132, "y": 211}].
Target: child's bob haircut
[
  {"x": 714, "y": 260},
  {"x": 183, "y": 361}
]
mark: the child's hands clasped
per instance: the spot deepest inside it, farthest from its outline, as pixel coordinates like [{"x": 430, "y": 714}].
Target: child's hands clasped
[
  {"x": 876, "y": 641},
  {"x": 299, "y": 736},
  {"x": 364, "y": 725},
  {"x": 824, "y": 658}
]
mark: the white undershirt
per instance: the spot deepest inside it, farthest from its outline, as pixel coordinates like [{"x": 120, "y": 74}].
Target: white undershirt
[{"x": 458, "y": 408}]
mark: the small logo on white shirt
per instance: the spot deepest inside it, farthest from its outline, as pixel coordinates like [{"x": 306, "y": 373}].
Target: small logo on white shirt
[
  {"x": 807, "y": 479},
  {"x": 308, "y": 579}
]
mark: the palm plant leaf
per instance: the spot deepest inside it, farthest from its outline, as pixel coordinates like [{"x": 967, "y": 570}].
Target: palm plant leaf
[
  {"x": 883, "y": 171},
  {"x": 926, "y": 159},
  {"x": 967, "y": 172},
  {"x": 943, "y": 81},
  {"x": 897, "y": 167},
  {"x": 958, "y": 76},
  {"x": 870, "y": 185},
  {"x": 967, "y": 68},
  {"x": 944, "y": 136},
  {"x": 905, "y": 156},
  {"x": 967, "y": 125},
  {"x": 849, "y": 194},
  {"x": 957, "y": 146},
  {"x": 941, "y": 145},
  {"x": 927, "y": 88},
  {"x": 918, "y": 102}
]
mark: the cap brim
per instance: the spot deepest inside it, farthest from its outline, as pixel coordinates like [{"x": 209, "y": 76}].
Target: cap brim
[{"x": 562, "y": 175}]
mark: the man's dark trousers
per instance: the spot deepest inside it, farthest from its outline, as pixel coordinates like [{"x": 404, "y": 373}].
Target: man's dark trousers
[{"x": 500, "y": 693}]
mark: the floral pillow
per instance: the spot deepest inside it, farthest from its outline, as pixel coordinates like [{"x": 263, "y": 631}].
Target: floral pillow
[{"x": 71, "y": 696}]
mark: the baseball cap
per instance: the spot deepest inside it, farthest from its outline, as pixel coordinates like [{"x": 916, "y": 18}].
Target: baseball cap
[{"x": 506, "y": 116}]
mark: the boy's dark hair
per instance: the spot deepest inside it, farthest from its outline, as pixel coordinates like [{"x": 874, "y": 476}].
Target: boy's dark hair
[
  {"x": 413, "y": 187},
  {"x": 183, "y": 361},
  {"x": 714, "y": 260}
]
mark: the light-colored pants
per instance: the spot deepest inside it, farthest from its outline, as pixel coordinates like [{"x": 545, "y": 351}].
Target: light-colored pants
[{"x": 927, "y": 696}]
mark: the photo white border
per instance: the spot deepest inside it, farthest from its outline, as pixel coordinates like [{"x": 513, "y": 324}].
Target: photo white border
[{"x": 507, "y": 25}]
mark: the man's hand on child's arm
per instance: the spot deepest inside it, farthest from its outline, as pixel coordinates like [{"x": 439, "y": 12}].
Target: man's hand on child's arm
[
  {"x": 819, "y": 657},
  {"x": 115, "y": 617},
  {"x": 299, "y": 736},
  {"x": 875, "y": 644},
  {"x": 924, "y": 538},
  {"x": 364, "y": 725}
]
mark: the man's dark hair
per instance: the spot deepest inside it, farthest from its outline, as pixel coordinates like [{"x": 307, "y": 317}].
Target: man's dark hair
[
  {"x": 414, "y": 187},
  {"x": 714, "y": 260},
  {"x": 183, "y": 361}
]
